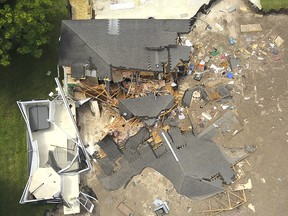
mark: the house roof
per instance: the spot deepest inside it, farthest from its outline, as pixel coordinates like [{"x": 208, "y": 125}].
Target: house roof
[
  {"x": 184, "y": 183},
  {"x": 199, "y": 173},
  {"x": 132, "y": 44},
  {"x": 205, "y": 158},
  {"x": 149, "y": 106}
]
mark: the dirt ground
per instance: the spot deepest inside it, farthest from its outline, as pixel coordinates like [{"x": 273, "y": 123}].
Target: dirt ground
[{"x": 261, "y": 97}]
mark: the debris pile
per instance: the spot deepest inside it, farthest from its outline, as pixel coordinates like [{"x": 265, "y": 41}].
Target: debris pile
[
  {"x": 172, "y": 116},
  {"x": 167, "y": 123}
]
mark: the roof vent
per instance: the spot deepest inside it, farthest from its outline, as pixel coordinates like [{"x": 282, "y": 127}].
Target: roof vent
[{"x": 113, "y": 27}]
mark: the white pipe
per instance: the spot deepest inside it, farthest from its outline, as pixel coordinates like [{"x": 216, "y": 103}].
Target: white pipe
[{"x": 167, "y": 141}]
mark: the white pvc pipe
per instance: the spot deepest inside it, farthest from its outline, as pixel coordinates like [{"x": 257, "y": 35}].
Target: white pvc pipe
[{"x": 175, "y": 156}]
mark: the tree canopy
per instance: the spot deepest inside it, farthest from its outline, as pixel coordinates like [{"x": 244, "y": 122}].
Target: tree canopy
[{"x": 24, "y": 26}]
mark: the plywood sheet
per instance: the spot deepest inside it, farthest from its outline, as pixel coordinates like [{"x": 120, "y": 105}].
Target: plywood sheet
[{"x": 251, "y": 28}]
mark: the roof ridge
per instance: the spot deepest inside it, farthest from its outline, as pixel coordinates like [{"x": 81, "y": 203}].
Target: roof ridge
[{"x": 83, "y": 39}]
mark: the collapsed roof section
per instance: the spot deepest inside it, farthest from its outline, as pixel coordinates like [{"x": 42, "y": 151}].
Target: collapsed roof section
[
  {"x": 196, "y": 167},
  {"x": 131, "y": 44},
  {"x": 56, "y": 155},
  {"x": 201, "y": 163},
  {"x": 149, "y": 106}
]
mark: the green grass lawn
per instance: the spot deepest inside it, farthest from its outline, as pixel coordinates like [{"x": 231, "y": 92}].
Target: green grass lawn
[
  {"x": 25, "y": 79},
  {"x": 268, "y": 5}
]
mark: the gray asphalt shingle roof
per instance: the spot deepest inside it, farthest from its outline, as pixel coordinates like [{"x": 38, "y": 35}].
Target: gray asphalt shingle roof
[
  {"x": 178, "y": 53},
  {"x": 149, "y": 106},
  {"x": 199, "y": 161},
  {"x": 110, "y": 148},
  {"x": 205, "y": 158},
  {"x": 124, "y": 43}
]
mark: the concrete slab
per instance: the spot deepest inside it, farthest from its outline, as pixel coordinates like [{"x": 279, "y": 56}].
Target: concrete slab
[{"x": 168, "y": 9}]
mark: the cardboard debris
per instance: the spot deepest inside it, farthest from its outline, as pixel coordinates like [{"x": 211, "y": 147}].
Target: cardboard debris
[
  {"x": 278, "y": 41},
  {"x": 251, "y": 28},
  {"x": 276, "y": 57},
  {"x": 252, "y": 207},
  {"x": 244, "y": 9}
]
